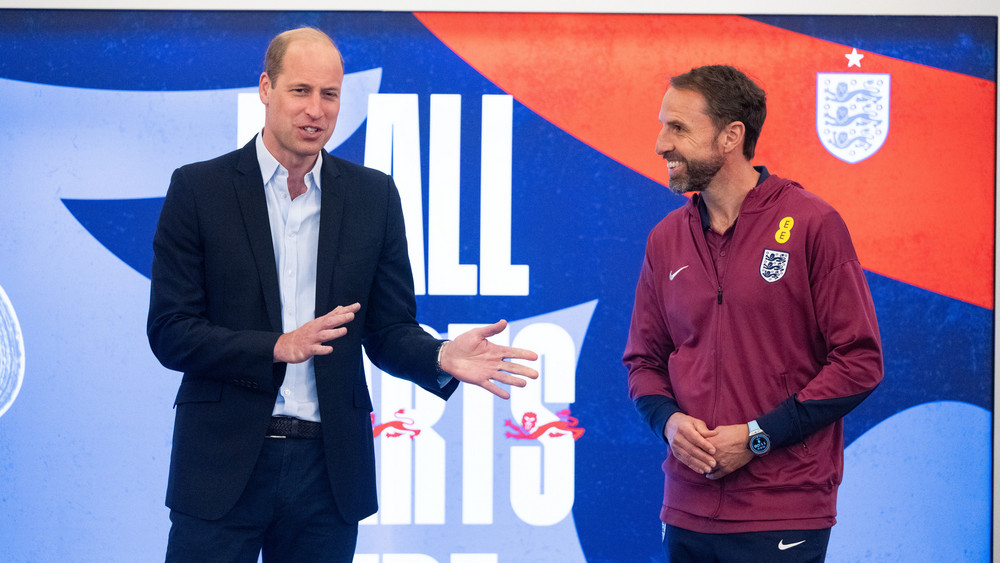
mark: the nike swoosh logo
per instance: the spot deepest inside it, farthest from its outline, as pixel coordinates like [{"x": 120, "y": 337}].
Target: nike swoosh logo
[
  {"x": 675, "y": 272},
  {"x": 783, "y": 546}
]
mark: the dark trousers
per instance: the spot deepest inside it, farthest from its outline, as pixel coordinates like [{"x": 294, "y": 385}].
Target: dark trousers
[
  {"x": 287, "y": 512},
  {"x": 786, "y": 546}
]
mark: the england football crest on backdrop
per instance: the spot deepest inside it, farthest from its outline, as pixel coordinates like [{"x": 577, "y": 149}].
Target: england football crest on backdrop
[
  {"x": 773, "y": 265},
  {"x": 852, "y": 113},
  {"x": 11, "y": 354}
]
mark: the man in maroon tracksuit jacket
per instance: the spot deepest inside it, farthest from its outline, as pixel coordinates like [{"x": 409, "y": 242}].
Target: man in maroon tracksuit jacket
[{"x": 753, "y": 334}]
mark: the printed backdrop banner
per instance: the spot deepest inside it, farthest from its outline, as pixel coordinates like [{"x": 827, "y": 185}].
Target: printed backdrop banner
[{"x": 522, "y": 145}]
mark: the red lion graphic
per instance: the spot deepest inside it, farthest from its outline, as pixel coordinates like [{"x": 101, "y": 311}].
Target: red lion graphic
[
  {"x": 403, "y": 426},
  {"x": 527, "y": 431}
]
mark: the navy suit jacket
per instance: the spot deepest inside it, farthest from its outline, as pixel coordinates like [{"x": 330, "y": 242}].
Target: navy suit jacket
[{"x": 215, "y": 315}]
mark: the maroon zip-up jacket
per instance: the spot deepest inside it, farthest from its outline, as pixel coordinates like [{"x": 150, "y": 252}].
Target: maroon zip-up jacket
[{"x": 786, "y": 335}]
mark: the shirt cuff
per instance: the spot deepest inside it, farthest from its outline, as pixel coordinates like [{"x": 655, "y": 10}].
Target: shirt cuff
[{"x": 443, "y": 378}]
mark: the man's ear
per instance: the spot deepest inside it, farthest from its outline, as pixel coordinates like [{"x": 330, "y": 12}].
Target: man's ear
[
  {"x": 264, "y": 88},
  {"x": 732, "y": 136}
]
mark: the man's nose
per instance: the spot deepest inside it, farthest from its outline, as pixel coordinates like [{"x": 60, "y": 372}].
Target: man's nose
[
  {"x": 314, "y": 106},
  {"x": 664, "y": 142}
]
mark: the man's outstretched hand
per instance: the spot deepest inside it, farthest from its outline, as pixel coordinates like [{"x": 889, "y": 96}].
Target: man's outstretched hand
[{"x": 470, "y": 358}]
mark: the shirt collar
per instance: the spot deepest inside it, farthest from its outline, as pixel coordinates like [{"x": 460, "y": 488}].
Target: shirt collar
[
  {"x": 269, "y": 165},
  {"x": 703, "y": 209}
]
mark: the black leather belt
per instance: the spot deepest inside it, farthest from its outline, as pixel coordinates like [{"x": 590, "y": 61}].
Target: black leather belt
[{"x": 288, "y": 427}]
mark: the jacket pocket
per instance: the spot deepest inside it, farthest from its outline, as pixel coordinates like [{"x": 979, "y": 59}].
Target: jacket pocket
[
  {"x": 787, "y": 384},
  {"x": 199, "y": 391}
]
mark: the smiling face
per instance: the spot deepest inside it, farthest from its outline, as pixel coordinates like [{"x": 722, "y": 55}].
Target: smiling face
[
  {"x": 688, "y": 141},
  {"x": 302, "y": 102}
]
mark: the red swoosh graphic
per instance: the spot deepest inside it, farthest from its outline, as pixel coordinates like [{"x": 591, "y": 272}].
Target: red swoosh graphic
[{"x": 921, "y": 210}]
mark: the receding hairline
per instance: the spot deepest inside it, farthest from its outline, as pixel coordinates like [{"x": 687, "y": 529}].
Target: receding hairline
[
  {"x": 304, "y": 34},
  {"x": 274, "y": 58}
]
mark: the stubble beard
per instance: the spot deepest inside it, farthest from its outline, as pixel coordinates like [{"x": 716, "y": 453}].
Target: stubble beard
[{"x": 698, "y": 175}]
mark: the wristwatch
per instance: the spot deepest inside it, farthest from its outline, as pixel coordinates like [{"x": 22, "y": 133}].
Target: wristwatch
[{"x": 759, "y": 442}]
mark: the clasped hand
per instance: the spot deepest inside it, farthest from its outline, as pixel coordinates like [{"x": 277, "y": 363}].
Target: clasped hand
[{"x": 715, "y": 452}]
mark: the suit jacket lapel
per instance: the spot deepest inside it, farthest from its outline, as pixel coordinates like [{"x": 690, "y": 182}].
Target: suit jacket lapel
[
  {"x": 249, "y": 187},
  {"x": 330, "y": 219}
]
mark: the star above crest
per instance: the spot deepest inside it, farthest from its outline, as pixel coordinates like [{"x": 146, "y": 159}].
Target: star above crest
[{"x": 854, "y": 58}]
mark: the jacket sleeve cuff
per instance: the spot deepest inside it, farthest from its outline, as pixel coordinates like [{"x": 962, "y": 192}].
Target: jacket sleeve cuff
[
  {"x": 782, "y": 424},
  {"x": 655, "y": 410},
  {"x": 793, "y": 420}
]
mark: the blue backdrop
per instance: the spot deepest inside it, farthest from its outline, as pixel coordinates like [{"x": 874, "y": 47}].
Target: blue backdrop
[{"x": 98, "y": 109}]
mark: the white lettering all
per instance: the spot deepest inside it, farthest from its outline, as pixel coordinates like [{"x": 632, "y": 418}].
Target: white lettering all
[{"x": 392, "y": 145}]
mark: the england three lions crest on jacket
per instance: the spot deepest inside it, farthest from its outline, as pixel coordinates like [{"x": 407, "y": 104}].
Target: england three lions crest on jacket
[{"x": 773, "y": 265}]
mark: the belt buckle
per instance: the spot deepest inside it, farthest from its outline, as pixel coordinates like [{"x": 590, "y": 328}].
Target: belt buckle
[{"x": 289, "y": 420}]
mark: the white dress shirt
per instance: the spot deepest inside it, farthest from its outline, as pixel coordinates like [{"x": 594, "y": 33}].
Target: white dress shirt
[{"x": 295, "y": 235}]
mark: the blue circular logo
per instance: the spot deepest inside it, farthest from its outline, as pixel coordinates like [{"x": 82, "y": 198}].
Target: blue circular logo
[{"x": 11, "y": 354}]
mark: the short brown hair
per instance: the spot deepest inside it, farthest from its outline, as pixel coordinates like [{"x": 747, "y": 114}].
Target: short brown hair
[
  {"x": 274, "y": 59},
  {"x": 730, "y": 96}
]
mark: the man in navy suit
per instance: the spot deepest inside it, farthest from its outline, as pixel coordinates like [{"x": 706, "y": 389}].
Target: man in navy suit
[{"x": 273, "y": 266}]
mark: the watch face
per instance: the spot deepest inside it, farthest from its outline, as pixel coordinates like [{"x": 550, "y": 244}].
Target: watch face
[{"x": 760, "y": 444}]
